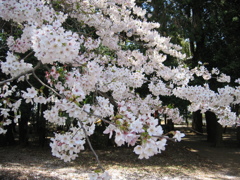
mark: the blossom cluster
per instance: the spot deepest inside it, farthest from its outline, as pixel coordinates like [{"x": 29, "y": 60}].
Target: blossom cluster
[
  {"x": 134, "y": 125},
  {"x": 13, "y": 66},
  {"x": 23, "y": 44},
  {"x": 204, "y": 99},
  {"x": 52, "y": 43},
  {"x": 33, "y": 11},
  {"x": 67, "y": 146},
  {"x": 8, "y": 107}
]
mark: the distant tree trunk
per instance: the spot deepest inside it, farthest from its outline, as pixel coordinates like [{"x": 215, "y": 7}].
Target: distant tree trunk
[
  {"x": 186, "y": 117},
  {"x": 23, "y": 123},
  {"x": 238, "y": 135},
  {"x": 41, "y": 124},
  {"x": 236, "y": 109},
  {"x": 197, "y": 123},
  {"x": 9, "y": 136},
  {"x": 170, "y": 125},
  {"x": 2, "y": 140},
  {"x": 10, "y": 140},
  {"x": 214, "y": 129}
]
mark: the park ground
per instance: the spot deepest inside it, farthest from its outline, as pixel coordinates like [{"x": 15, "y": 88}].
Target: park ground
[{"x": 193, "y": 158}]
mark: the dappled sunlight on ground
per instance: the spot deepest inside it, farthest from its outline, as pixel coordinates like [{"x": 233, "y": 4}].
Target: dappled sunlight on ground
[{"x": 193, "y": 159}]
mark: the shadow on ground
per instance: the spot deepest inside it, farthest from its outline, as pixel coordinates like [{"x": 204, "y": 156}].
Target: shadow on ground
[
  {"x": 193, "y": 158},
  {"x": 228, "y": 155}
]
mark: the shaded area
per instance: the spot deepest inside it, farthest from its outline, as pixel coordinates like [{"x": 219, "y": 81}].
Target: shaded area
[
  {"x": 227, "y": 155},
  {"x": 194, "y": 158}
]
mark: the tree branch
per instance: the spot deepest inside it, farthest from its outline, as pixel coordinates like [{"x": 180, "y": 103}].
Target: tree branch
[
  {"x": 22, "y": 74},
  {"x": 165, "y": 137},
  {"x": 90, "y": 145},
  {"x": 104, "y": 120},
  {"x": 47, "y": 85},
  {"x": 112, "y": 101}
]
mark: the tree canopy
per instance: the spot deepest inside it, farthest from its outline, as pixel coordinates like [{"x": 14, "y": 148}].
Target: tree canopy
[{"x": 97, "y": 57}]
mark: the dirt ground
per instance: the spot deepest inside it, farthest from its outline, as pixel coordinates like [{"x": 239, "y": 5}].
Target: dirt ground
[{"x": 193, "y": 158}]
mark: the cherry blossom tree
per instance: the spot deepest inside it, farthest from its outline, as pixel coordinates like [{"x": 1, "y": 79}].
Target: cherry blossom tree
[{"x": 90, "y": 58}]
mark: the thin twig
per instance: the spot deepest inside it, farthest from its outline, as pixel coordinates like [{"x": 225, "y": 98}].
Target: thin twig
[
  {"x": 197, "y": 132},
  {"x": 28, "y": 82},
  {"x": 90, "y": 145},
  {"x": 104, "y": 120},
  {"x": 112, "y": 101},
  {"x": 29, "y": 54},
  {"x": 165, "y": 137},
  {"x": 47, "y": 85}
]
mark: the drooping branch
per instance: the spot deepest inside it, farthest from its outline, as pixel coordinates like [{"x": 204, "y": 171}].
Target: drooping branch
[{"x": 90, "y": 145}]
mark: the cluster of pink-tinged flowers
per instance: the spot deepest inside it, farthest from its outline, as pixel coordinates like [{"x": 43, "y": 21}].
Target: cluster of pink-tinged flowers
[
  {"x": 67, "y": 146},
  {"x": 52, "y": 43},
  {"x": 95, "y": 65}
]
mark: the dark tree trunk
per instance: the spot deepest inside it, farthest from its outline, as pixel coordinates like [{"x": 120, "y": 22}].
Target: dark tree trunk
[
  {"x": 236, "y": 109},
  {"x": 238, "y": 135},
  {"x": 41, "y": 125},
  {"x": 23, "y": 123},
  {"x": 2, "y": 140},
  {"x": 197, "y": 123},
  {"x": 170, "y": 125},
  {"x": 214, "y": 129},
  {"x": 186, "y": 117},
  {"x": 10, "y": 140}
]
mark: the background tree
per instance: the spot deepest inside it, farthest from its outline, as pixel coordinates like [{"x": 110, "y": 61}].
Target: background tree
[{"x": 210, "y": 29}]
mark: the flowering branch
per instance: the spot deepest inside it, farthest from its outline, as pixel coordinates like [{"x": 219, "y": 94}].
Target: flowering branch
[{"x": 22, "y": 74}]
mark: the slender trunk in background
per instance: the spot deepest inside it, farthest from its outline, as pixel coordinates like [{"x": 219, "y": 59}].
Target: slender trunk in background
[{"x": 23, "y": 123}]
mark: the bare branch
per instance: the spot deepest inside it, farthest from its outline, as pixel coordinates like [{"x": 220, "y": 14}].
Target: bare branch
[
  {"x": 104, "y": 120},
  {"x": 47, "y": 86},
  {"x": 197, "y": 132},
  {"x": 112, "y": 101},
  {"x": 29, "y": 54},
  {"x": 90, "y": 145},
  {"x": 28, "y": 82},
  {"x": 165, "y": 137}
]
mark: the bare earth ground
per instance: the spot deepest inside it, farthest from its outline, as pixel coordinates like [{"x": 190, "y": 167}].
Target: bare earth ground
[{"x": 192, "y": 159}]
